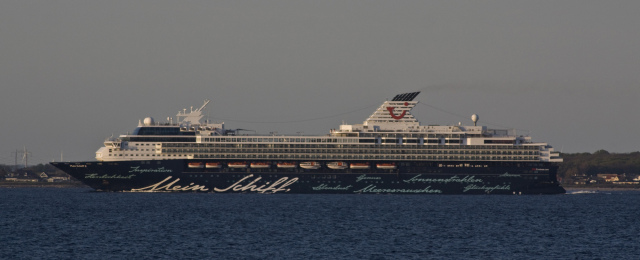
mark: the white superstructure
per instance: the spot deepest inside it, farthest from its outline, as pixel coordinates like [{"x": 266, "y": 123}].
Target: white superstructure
[{"x": 390, "y": 134}]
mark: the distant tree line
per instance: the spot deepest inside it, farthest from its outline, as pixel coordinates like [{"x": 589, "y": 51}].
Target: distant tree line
[
  {"x": 601, "y": 161},
  {"x": 31, "y": 170}
]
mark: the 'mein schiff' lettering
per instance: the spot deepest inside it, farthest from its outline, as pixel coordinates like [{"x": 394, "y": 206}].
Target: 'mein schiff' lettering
[
  {"x": 277, "y": 186},
  {"x": 171, "y": 186},
  {"x": 243, "y": 185}
]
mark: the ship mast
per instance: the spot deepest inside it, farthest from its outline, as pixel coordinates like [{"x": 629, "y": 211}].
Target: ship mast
[{"x": 192, "y": 117}]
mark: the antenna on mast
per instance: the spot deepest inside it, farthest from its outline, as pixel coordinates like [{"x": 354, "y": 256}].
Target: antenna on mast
[
  {"x": 194, "y": 116},
  {"x": 206, "y": 101}
]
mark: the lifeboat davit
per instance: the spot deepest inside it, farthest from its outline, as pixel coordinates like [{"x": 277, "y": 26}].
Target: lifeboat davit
[
  {"x": 286, "y": 165},
  {"x": 359, "y": 166},
  {"x": 260, "y": 165},
  {"x": 237, "y": 165},
  {"x": 195, "y": 165},
  {"x": 211, "y": 165},
  {"x": 386, "y": 166},
  {"x": 337, "y": 165},
  {"x": 310, "y": 165}
]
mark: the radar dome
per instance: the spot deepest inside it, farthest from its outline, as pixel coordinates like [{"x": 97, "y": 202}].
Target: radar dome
[
  {"x": 475, "y": 118},
  {"x": 148, "y": 121}
]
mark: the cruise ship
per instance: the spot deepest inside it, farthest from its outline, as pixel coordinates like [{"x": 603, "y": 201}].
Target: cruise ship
[{"x": 389, "y": 153}]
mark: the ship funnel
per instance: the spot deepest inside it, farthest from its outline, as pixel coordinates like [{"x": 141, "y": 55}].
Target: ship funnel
[{"x": 395, "y": 111}]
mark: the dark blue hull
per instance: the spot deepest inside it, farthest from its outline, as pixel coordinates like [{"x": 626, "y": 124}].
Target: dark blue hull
[{"x": 408, "y": 178}]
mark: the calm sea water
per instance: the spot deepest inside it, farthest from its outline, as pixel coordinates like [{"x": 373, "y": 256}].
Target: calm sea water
[{"x": 37, "y": 223}]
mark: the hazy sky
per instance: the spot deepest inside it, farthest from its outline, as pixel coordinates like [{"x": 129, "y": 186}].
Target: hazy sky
[{"x": 74, "y": 72}]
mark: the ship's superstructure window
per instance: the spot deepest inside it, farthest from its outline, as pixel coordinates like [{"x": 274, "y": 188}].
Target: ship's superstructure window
[{"x": 148, "y": 130}]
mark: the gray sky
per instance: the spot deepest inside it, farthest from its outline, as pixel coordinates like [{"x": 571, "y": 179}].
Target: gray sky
[{"x": 74, "y": 72}]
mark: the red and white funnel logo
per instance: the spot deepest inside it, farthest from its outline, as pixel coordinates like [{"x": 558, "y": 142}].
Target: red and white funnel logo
[{"x": 401, "y": 115}]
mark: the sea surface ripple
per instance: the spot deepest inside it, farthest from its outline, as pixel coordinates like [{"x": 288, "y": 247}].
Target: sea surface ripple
[{"x": 41, "y": 223}]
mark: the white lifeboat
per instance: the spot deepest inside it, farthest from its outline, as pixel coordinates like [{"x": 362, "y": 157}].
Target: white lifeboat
[
  {"x": 359, "y": 166},
  {"x": 310, "y": 165},
  {"x": 195, "y": 165},
  {"x": 214, "y": 165},
  {"x": 337, "y": 165},
  {"x": 260, "y": 165},
  {"x": 386, "y": 166},
  {"x": 237, "y": 165},
  {"x": 286, "y": 165}
]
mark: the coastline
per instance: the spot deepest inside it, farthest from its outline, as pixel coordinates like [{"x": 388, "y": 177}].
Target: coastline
[
  {"x": 11, "y": 184},
  {"x": 600, "y": 188}
]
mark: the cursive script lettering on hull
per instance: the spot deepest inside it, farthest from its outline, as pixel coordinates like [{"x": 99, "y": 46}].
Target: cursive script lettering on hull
[
  {"x": 107, "y": 176},
  {"x": 486, "y": 188},
  {"x": 141, "y": 170},
  {"x": 327, "y": 187},
  {"x": 276, "y": 186},
  {"x": 364, "y": 177},
  {"x": 453, "y": 179},
  {"x": 171, "y": 186},
  {"x": 374, "y": 189},
  {"x": 248, "y": 183}
]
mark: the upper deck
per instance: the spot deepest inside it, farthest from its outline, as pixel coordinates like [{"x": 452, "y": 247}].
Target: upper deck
[{"x": 390, "y": 133}]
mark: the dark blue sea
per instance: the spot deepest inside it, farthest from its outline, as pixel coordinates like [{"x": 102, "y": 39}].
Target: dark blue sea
[{"x": 42, "y": 223}]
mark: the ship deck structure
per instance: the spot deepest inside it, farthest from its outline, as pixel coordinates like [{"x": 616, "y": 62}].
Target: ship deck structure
[{"x": 390, "y": 152}]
